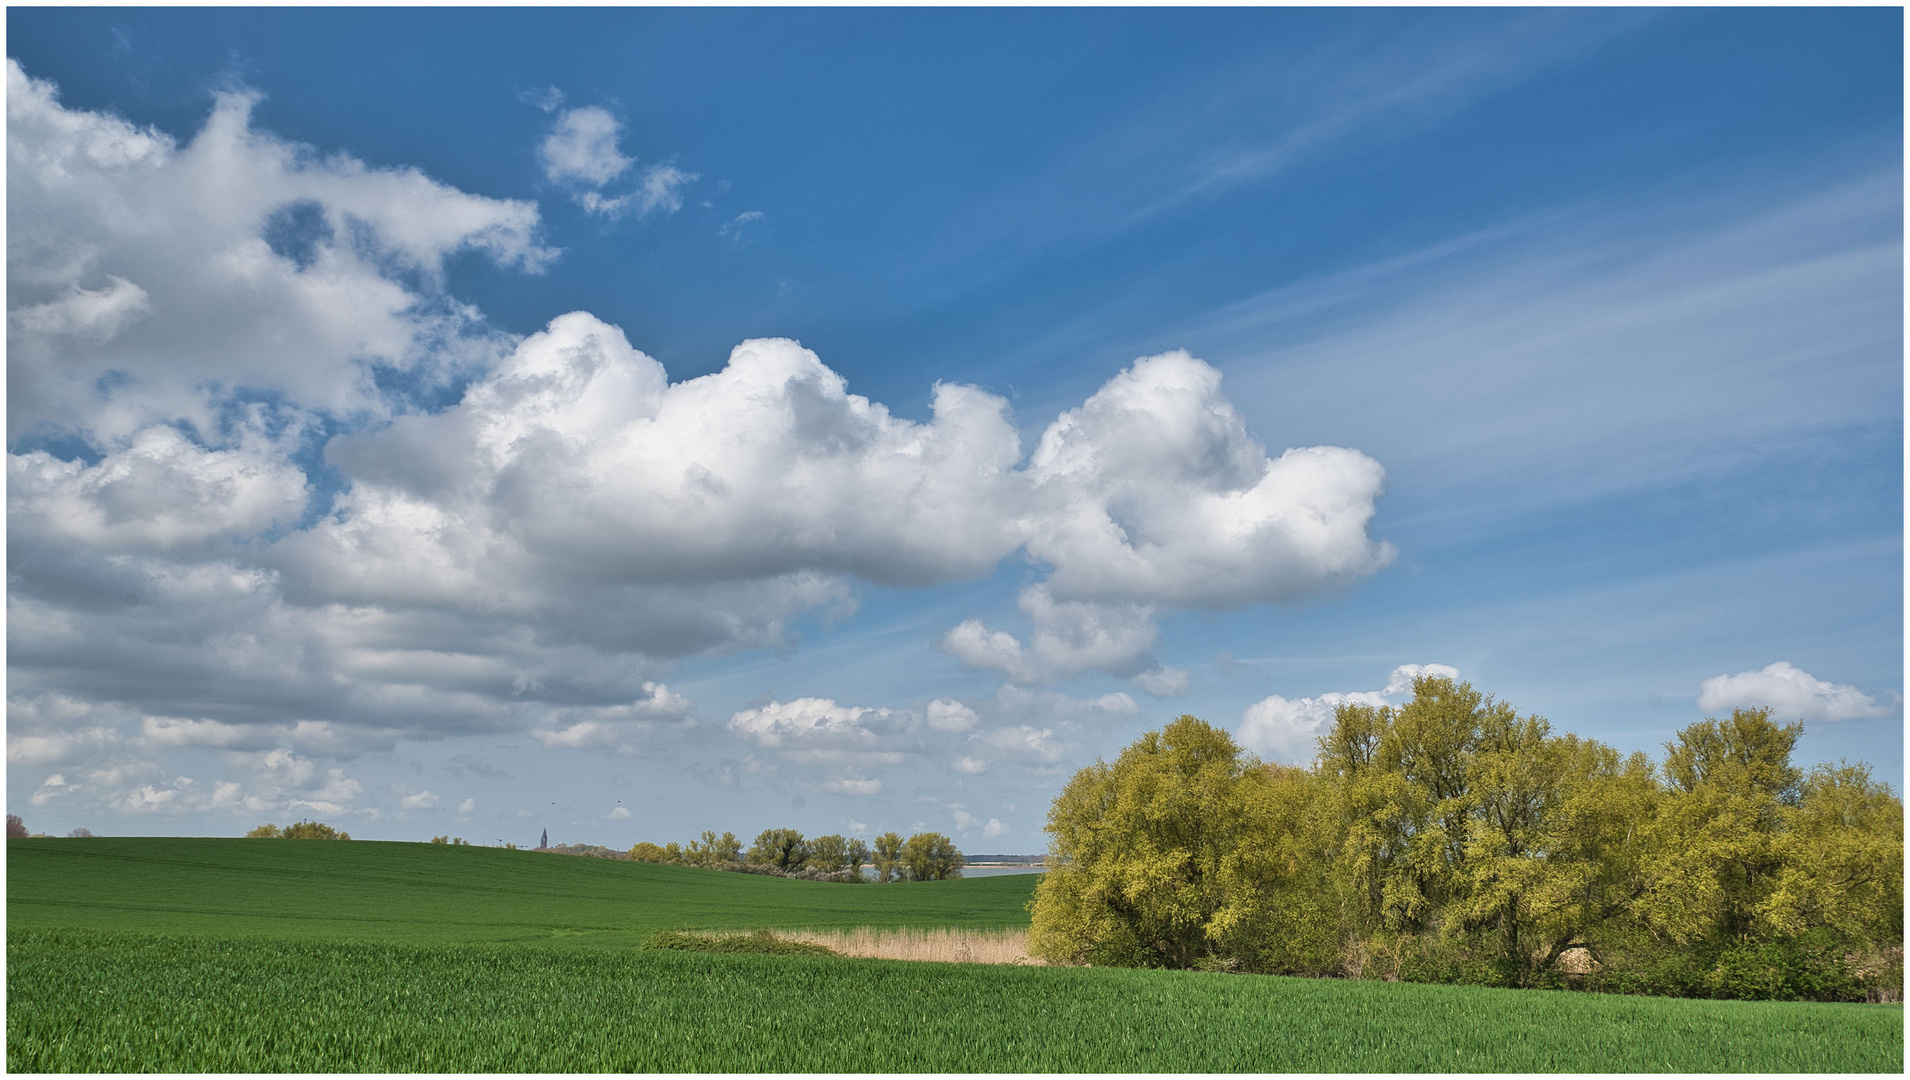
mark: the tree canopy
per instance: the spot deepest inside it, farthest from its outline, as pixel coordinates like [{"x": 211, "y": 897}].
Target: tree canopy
[{"x": 1453, "y": 839}]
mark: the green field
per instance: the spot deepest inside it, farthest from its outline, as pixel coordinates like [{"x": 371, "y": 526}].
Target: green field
[
  {"x": 227, "y": 955},
  {"x": 441, "y": 893}
]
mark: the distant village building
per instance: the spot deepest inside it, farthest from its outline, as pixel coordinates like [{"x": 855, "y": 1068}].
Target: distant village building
[{"x": 543, "y": 842}]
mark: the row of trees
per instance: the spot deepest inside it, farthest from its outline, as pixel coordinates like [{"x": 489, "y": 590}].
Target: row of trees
[
  {"x": 302, "y": 830},
  {"x": 1453, "y": 840},
  {"x": 922, "y": 857}
]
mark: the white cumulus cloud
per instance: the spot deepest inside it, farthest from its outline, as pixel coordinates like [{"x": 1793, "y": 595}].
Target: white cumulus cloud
[
  {"x": 531, "y": 557},
  {"x": 418, "y": 800},
  {"x": 1154, "y": 492},
  {"x": 1790, "y": 693},
  {"x": 146, "y": 277},
  {"x": 582, "y": 148},
  {"x": 581, "y": 152},
  {"x": 951, "y": 716},
  {"x": 806, "y": 720}
]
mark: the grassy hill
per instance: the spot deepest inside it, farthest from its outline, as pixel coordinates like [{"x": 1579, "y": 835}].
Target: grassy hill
[
  {"x": 196, "y": 955},
  {"x": 441, "y": 893}
]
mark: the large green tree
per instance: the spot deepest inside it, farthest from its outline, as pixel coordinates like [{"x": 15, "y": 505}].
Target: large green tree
[
  {"x": 1145, "y": 852},
  {"x": 781, "y": 849},
  {"x": 931, "y": 857},
  {"x": 829, "y": 854},
  {"x": 887, "y": 857},
  {"x": 1453, "y": 838}
]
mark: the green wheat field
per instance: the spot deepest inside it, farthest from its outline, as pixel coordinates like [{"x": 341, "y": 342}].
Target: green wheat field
[{"x": 211, "y": 955}]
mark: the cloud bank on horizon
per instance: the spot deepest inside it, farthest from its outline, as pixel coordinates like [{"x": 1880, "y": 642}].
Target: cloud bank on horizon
[{"x": 210, "y": 326}]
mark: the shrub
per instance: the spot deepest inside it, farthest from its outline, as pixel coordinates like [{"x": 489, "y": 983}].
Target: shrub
[
  {"x": 594, "y": 851},
  {"x": 1811, "y": 967}
]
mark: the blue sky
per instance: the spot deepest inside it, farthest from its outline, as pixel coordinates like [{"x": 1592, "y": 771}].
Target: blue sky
[{"x": 378, "y": 453}]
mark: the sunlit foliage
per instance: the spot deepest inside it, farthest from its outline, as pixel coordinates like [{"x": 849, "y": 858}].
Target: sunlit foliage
[{"x": 1453, "y": 840}]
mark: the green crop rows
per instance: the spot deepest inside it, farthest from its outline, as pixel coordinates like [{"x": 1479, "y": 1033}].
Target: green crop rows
[
  {"x": 441, "y": 893},
  {"x": 409, "y": 958}
]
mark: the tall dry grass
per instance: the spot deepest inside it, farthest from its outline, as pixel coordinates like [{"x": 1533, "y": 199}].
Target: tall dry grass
[{"x": 903, "y": 943}]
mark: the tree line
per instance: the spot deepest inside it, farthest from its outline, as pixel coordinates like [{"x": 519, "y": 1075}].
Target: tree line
[
  {"x": 787, "y": 853},
  {"x": 1453, "y": 840},
  {"x": 301, "y": 830}
]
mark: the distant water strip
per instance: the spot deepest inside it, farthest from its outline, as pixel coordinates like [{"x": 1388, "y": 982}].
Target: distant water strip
[{"x": 998, "y": 871}]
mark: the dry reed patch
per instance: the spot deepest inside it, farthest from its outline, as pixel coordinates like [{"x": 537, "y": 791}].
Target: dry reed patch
[{"x": 946, "y": 945}]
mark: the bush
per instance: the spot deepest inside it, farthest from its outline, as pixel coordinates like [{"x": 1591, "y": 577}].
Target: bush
[
  {"x": 1812, "y": 967},
  {"x": 594, "y": 851}
]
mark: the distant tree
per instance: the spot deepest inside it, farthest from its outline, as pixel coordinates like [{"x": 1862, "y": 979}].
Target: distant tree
[
  {"x": 267, "y": 831},
  {"x": 440, "y": 839},
  {"x": 829, "y": 854},
  {"x": 857, "y": 853},
  {"x": 82, "y": 831},
  {"x": 711, "y": 850},
  {"x": 673, "y": 853},
  {"x": 781, "y": 849},
  {"x": 645, "y": 851},
  {"x": 931, "y": 857},
  {"x": 15, "y": 827},
  {"x": 887, "y": 857},
  {"x": 698, "y": 851}
]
